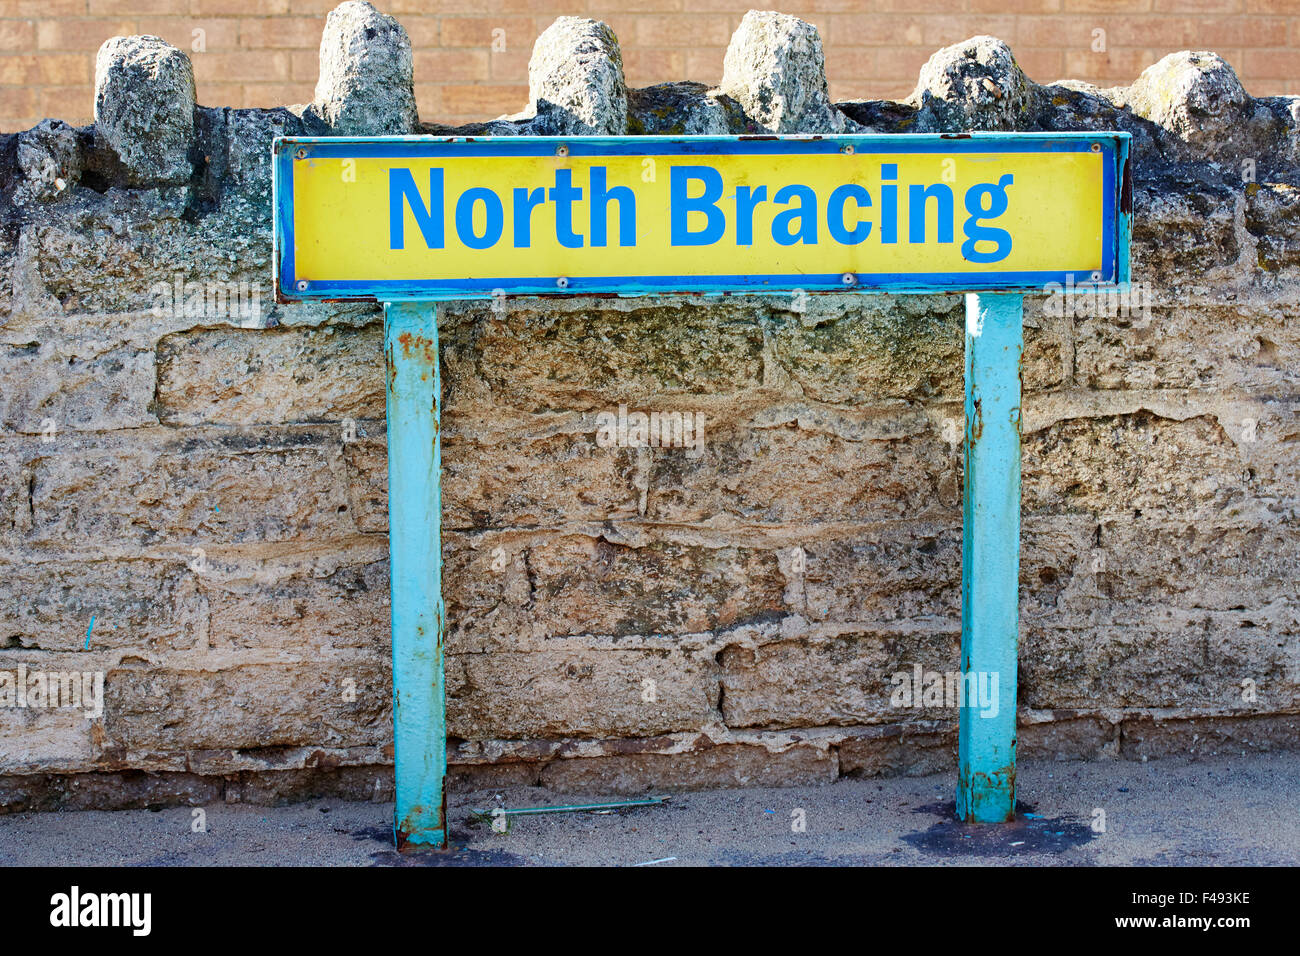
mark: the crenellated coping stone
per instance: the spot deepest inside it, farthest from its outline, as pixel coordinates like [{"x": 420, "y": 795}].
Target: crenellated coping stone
[
  {"x": 1198, "y": 100},
  {"x": 973, "y": 85},
  {"x": 684, "y": 109},
  {"x": 366, "y": 85},
  {"x": 575, "y": 80},
  {"x": 144, "y": 108},
  {"x": 49, "y": 160},
  {"x": 775, "y": 70}
]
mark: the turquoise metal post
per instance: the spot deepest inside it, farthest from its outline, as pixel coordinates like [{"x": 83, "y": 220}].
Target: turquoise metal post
[
  {"x": 986, "y": 748},
  {"x": 415, "y": 558}
]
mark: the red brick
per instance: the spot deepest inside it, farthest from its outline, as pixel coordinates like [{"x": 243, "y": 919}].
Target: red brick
[
  {"x": 1042, "y": 66},
  {"x": 1272, "y": 64},
  {"x": 249, "y": 67},
  {"x": 477, "y": 31},
  {"x": 483, "y": 100},
  {"x": 264, "y": 95},
  {"x": 648, "y": 67},
  {"x": 20, "y": 69},
  {"x": 1113, "y": 68},
  {"x": 1107, "y": 6},
  {"x": 304, "y": 65},
  {"x": 179, "y": 32},
  {"x": 675, "y": 31},
  {"x": 80, "y": 34},
  {"x": 279, "y": 33},
  {"x": 508, "y": 67},
  {"x": 874, "y": 30},
  {"x": 221, "y": 94},
  {"x": 455, "y": 66},
  {"x": 17, "y": 36},
  {"x": 1197, "y": 6},
  {"x": 68, "y": 103}
]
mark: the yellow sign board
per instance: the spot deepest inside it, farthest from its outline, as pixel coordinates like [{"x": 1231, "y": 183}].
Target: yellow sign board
[{"x": 428, "y": 218}]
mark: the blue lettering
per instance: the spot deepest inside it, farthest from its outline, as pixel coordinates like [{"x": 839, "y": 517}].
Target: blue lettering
[
  {"x": 564, "y": 194},
  {"x": 465, "y": 217},
  {"x": 600, "y": 197},
  {"x": 524, "y": 204},
  {"x": 681, "y": 205},
  {"x": 917, "y": 196},
  {"x": 747, "y": 200},
  {"x": 806, "y": 213},
  {"x": 835, "y": 214},
  {"x": 402, "y": 191},
  {"x": 975, "y": 232}
]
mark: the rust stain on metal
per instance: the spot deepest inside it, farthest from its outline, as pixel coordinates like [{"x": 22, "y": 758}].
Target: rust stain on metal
[{"x": 977, "y": 427}]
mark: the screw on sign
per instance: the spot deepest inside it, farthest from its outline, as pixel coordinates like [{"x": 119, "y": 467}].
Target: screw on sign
[{"x": 435, "y": 218}]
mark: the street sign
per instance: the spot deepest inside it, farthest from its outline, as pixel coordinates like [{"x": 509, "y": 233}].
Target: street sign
[
  {"x": 425, "y": 218},
  {"x": 410, "y": 221}
]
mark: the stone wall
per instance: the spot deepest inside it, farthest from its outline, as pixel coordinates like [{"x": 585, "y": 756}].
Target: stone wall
[{"x": 192, "y": 484}]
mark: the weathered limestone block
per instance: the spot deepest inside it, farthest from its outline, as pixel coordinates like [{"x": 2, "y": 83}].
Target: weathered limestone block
[
  {"x": 635, "y": 353},
  {"x": 49, "y": 159},
  {"x": 559, "y": 585},
  {"x": 301, "y": 601},
  {"x": 1064, "y": 736},
  {"x": 125, "y": 790},
  {"x": 1246, "y": 564},
  {"x": 575, "y": 80},
  {"x": 868, "y": 350},
  {"x": 1201, "y": 346},
  {"x": 883, "y": 573},
  {"x": 1273, "y": 220},
  {"x": 973, "y": 85},
  {"x": 775, "y": 70},
  {"x": 344, "y": 702},
  {"x": 571, "y": 690},
  {"x": 801, "y": 463},
  {"x": 1210, "y": 736},
  {"x": 144, "y": 108},
  {"x": 1183, "y": 230},
  {"x": 1075, "y": 105},
  {"x": 41, "y": 736},
  {"x": 366, "y": 80},
  {"x": 196, "y": 491},
  {"x": 836, "y": 679},
  {"x": 138, "y": 603},
  {"x": 1133, "y": 462},
  {"x": 274, "y": 788},
  {"x": 1190, "y": 659},
  {"x": 726, "y": 765},
  {"x": 83, "y": 380},
  {"x": 126, "y": 251},
  {"x": 910, "y": 750},
  {"x": 229, "y": 377}
]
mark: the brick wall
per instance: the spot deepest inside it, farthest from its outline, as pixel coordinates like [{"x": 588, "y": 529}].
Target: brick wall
[{"x": 471, "y": 59}]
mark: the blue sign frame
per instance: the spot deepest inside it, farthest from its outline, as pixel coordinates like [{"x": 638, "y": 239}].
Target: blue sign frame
[{"x": 1114, "y": 147}]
